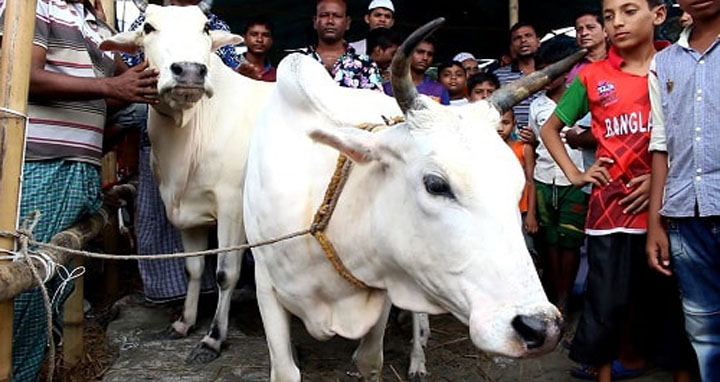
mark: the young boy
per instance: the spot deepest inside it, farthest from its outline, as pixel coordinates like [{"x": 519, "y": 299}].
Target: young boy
[
  {"x": 685, "y": 95},
  {"x": 526, "y": 156},
  {"x": 481, "y": 85},
  {"x": 615, "y": 92},
  {"x": 452, "y": 76},
  {"x": 561, "y": 206}
]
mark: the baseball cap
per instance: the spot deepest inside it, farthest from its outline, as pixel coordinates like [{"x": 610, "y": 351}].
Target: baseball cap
[
  {"x": 381, "y": 4},
  {"x": 460, "y": 57}
]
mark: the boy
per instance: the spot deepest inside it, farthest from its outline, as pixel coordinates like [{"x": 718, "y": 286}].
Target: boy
[
  {"x": 615, "y": 92},
  {"x": 685, "y": 95},
  {"x": 452, "y": 76},
  {"x": 382, "y": 43},
  {"x": 481, "y": 85},
  {"x": 526, "y": 156},
  {"x": 561, "y": 206}
]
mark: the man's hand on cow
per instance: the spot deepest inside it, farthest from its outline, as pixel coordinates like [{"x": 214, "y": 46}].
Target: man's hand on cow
[
  {"x": 249, "y": 70},
  {"x": 137, "y": 84},
  {"x": 639, "y": 198},
  {"x": 597, "y": 174},
  {"x": 527, "y": 135}
]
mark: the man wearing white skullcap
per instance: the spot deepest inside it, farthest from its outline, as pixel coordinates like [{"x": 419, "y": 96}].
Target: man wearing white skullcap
[
  {"x": 380, "y": 14},
  {"x": 469, "y": 63}
]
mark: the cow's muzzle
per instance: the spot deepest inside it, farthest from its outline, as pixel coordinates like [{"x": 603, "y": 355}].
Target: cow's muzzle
[
  {"x": 189, "y": 74},
  {"x": 537, "y": 331}
]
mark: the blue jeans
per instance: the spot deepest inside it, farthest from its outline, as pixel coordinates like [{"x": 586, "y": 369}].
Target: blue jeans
[{"x": 695, "y": 249}]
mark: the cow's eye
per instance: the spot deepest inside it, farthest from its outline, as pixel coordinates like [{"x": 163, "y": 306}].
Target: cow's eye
[
  {"x": 436, "y": 185},
  {"x": 148, "y": 28},
  {"x": 207, "y": 28}
]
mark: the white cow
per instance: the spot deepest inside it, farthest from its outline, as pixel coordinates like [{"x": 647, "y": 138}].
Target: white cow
[
  {"x": 428, "y": 219},
  {"x": 200, "y": 134}
]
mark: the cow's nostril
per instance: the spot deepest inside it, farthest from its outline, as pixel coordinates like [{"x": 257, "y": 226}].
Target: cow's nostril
[
  {"x": 531, "y": 329},
  {"x": 203, "y": 70},
  {"x": 176, "y": 69}
]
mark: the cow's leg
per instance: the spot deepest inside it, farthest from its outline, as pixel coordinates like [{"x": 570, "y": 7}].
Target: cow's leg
[
  {"x": 276, "y": 321},
  {"x": 230, "y": 234},
  {"x": 368, "y": 357},
  {"x": 421, "y": 333},
  {"x": 193, "y": 239}
]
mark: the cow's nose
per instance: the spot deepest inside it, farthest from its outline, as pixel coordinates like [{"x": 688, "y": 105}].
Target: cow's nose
[
  {"x": 189, "y": 73},
  {"x": 532, "y": 329}
]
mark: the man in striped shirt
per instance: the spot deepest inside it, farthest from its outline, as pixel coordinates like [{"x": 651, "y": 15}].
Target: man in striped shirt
[{"x": 72, "y": 84}]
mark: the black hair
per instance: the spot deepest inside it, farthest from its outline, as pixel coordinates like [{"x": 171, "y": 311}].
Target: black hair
[
  {"x": 555, "y": 49},
  {"x": 519, "y": 25},
  {"x": 481, "y": 77},
  {"x": 592, "y": 11},
  {"x": 382, "y": 37},
  {"x": 449, "y": 64},
  {"x": 651, "y": 3},
  {"x": 258, "y": 20},
  {"x": 431, "y": 40}
]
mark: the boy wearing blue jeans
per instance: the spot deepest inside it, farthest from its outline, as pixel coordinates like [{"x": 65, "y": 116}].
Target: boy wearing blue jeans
[{"x": 684, "y": 87}]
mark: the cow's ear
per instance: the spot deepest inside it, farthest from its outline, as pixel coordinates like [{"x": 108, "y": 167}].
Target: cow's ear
[
  {"x": 356, "y": 144},
  {"x": 221, "y": 38},
  {"x": 126, "y": 42}
]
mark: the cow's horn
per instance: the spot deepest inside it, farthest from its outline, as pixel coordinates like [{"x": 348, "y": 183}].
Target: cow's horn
[
  {"x": 205, "y": 6},
  {"x": 141, "y": 5},
  {"x": 513, "y": 93},
  {"x": 401, "y": 81}
]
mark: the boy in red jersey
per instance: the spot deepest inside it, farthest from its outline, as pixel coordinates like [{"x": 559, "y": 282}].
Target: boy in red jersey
[{"x": 615, "y": 92}]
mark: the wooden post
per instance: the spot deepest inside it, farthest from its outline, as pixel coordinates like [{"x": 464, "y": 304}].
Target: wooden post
[
  {"x": 15, "y": 57},
  {"x": 514, "y": 12},
  {"x": 73, "y": 321}
]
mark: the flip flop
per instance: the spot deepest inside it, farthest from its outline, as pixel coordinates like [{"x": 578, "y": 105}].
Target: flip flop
[{"x": 618, "y": 371}]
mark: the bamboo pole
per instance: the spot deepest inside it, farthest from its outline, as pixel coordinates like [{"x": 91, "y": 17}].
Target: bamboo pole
[
  {"x": 73, "y": 321},
  {"x": 15, "y": 57},
  {"x": 514, "y": 12}
]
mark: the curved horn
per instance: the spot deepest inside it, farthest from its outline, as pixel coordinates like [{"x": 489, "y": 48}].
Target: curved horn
[
  {"x": 141, "y": 5},
  {"x": 516, "y": 91},
  {"x": 205, "y": 6},
  {"x": 401, "y": 81}
]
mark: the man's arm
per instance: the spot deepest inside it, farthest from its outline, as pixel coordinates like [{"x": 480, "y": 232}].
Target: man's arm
[
  {"x": 134, "y": 85},
  {"x": 658, "y": 245},
  {"x": 531, "y": 224}
]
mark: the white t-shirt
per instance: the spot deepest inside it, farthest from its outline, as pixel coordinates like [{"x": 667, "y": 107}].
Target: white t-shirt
[
  {"x": 360, "y": 46},
  {"x": 546, "y": 170}
]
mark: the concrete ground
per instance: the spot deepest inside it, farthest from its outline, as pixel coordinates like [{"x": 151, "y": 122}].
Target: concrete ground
[{"x": 143, "y": 355}]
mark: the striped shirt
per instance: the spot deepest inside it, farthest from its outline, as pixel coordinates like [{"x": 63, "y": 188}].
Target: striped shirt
[
  {"x": 70, "y": 130},
  {"x": 508, "y": 74},
  {"x": 685, "y": 94}
]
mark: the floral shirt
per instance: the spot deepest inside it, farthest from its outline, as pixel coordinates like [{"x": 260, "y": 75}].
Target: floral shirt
[
  {"x": 227, "y": 53},
  {"x": 352, "y": 70}
]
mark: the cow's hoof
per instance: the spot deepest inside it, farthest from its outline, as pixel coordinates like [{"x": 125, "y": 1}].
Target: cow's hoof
[
  {"x": 169, "y": 334},
  {"x": 418, "y": 377},
  {"x": 201, "y": 354}
]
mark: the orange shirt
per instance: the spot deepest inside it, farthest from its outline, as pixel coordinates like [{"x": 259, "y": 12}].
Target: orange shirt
[{"x": 518, "y": 148}]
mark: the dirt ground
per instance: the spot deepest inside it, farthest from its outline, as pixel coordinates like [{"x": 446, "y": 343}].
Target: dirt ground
[{"x": 141, "y": 354}]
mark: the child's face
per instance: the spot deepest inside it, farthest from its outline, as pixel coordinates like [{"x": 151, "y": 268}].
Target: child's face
[
  {"x": 631, "y": 23},
  {"x": 701, "y": 9},
  {"x": 507, "y": 124},
  {"x": 482, "y": 91},
  {"x": 383, "y": 57},
  {"x": 454, "y": 79}
]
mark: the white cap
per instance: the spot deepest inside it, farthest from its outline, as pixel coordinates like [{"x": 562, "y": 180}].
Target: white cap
[
  {"x": 381, "y": 4},
  {"x": 460, "y": 57}
]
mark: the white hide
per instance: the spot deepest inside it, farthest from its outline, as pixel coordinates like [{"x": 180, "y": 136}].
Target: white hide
[{"x": 427, "y": 253}]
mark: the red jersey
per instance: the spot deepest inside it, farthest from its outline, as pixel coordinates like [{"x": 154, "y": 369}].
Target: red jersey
[{"x": 620, "y": 106}]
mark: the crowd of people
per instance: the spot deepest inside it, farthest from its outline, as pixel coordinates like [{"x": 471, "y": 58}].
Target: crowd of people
[{"x": 620, "y": 156}]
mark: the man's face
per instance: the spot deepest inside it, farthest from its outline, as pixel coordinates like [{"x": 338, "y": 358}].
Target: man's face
[
  {"x": 454, "y": 78},
  {"x": 422, "y": 57},
  {"x": 630, "y": 23},
  {"x": 258, "y": 39},
  {"x": 383, "y": 57},
  {"x": 331, "y": 21},
  {"x": 380, "y": 17},
  {"x": 589, "y": 32},
  {"x": 482, "y": 91},
  {"x": 471, "y": 67},
  {"x": 700, "y": 10},
  {"x": 524, "y": 42}
]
